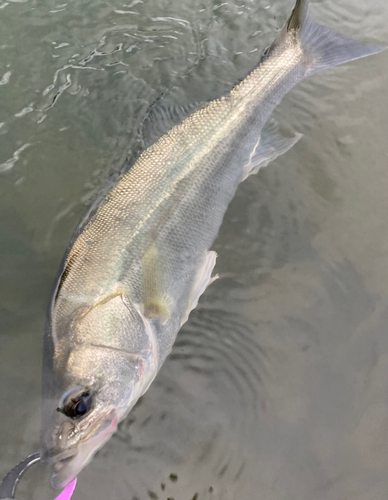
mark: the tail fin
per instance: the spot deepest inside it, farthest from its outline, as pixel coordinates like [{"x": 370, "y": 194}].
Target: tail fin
[{"x": 324, "y": 48}]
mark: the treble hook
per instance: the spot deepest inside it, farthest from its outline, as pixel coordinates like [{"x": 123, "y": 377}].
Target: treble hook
[{"x": 9, "y": 483}]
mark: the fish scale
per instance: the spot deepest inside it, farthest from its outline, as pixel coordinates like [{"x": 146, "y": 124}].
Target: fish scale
[{"x": 140, "y": 263}]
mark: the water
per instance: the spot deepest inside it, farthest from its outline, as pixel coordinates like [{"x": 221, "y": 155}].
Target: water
[{"x": 277, "y": 386}]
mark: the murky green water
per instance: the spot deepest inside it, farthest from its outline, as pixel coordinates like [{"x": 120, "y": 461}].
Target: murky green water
[{"x": 277, "y": 386}]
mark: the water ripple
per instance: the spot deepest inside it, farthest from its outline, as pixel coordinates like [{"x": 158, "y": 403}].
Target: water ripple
[
  {"x": 5, "y": 78},
  {"x": 216, "y": 343},
  {"x": 10, "y": 163}
]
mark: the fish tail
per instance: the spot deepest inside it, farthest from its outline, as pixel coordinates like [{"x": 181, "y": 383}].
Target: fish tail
[{"x": 322, "y": 47}]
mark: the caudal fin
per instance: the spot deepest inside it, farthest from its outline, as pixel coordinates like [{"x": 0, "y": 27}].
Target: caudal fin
[{"x": 323, "y": 47}]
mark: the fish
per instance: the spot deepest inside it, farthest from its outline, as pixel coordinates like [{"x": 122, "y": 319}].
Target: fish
[{"x": 138, "y": 264}]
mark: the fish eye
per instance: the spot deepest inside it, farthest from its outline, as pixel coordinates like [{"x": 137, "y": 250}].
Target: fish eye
[{"x": 78, "y": 405}]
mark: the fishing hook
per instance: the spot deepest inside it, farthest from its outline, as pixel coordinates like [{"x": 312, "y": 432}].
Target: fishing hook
[{"x": 9, "y": 483}]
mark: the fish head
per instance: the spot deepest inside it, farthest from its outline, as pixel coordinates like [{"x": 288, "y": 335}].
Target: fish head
[
  {"x": 88, "y": 388},
  {"x": 69, "y": 443}
]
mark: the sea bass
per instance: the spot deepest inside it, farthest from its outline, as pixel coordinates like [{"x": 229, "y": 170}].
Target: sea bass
[{"x": 138, "y": 265}]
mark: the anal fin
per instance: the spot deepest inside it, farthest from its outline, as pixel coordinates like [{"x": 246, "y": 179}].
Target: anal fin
[{"x": 270, "y": 145}]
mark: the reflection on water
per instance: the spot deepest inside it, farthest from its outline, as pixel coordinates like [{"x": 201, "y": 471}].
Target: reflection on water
[{"x": 276, "y": 387}]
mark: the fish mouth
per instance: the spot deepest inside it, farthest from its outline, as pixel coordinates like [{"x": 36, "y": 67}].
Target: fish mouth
[
  {"x": 60, "y": 463},
  {"x": 69, "y": 463}
]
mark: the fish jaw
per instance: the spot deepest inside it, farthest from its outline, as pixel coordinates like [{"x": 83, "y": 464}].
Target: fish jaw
[{"x": 67, "y": 465}]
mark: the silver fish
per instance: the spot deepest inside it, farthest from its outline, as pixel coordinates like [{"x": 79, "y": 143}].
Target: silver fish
[{"x": 138, "y": 266}]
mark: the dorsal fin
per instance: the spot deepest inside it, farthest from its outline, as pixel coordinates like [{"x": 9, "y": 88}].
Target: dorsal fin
[{"x": 162, "y": 116}]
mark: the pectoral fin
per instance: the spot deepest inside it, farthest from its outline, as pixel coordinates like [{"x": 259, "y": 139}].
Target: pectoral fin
[{"x": 202, "y": 281}]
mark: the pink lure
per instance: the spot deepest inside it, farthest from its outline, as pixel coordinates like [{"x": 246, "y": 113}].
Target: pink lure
[{"x": 68, "y": 491}]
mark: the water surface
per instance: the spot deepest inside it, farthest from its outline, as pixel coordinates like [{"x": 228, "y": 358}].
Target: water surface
[{"x": 277, "y": 386}]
